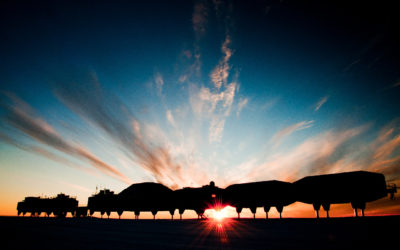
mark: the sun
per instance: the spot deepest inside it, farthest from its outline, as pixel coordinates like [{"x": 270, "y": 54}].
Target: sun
[{"x": 219, "y": 215}]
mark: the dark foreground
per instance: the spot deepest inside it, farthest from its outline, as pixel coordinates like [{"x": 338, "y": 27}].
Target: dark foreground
[{"x": 92, "y": 233}]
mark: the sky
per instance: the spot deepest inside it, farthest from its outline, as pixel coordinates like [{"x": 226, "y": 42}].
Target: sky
[{"x": 104, "y": 94}]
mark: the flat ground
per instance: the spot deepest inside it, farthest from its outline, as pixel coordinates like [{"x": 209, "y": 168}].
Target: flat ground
[{"x": 93, "y": 233}]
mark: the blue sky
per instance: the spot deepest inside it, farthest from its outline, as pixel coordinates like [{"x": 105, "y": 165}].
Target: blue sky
[{"x": 185, "y": 92}]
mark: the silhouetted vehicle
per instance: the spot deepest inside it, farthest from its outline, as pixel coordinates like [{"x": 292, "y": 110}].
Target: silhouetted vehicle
[
  {"x": 33, "y": 205},
  {"x": 198, "y": 199},
  {"x": 356, "y": 188},
  {"x": 265, "y": 194},
  {"x": 147, "y": 197},
  {"x": 59, "y": 205},
  {"x": 104, "y": 202}
]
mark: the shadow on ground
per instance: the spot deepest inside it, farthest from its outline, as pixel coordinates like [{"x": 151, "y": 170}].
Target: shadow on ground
[{"x": 93, "y": 233}]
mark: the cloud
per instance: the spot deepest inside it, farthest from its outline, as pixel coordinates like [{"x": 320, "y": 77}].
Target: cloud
[
  {"x": 210, "y": 99},
  {"x": 383, "y": 153},
  {"x": 242, "y": 103},
  {"x": 215, "y": 105},
  {"x": 284, "y": 133},
  {"x": 41, "y": 151},
  {"x": 188, "y": 54},
  {"x": 386, "y": 149},
  {"x": 331, "y": 152},
  {"x": 219, "y": 75},
  {"x": 22, "y": 117},
  {"x": 75, "y": 186},
  {"x": 145, "y": 145},
  {"x": 183, "y": 78},
  {"x": 216, "y": 128},
  {"x": 199, "y": 18},
  {"x": 270, "y": 103},
  {"x": 380, "y": 155},
  {"x": 316, "y": 155},
  {"x": 136, "y": 128},
  {"x": 158, "y": 79},
  {"x": 229, "y": 96},
  {"x": 170, "y": 118},
  {"x": 321, "y": 102}
]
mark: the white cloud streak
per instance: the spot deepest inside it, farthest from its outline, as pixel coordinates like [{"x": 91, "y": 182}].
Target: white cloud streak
[
  {"x": 313, "y": 156},
  {"x": 220, "y": 74},
  {"x": 214, "y": 105},
  {"x": 21, "y": 117},
  {"x": 284, "y": 133},
  {"x": 321, "y": 102},
  {"x": 170, "y": 118},
  {"x": 242, "y": 103},
  {"x": 159, "y": 81}
]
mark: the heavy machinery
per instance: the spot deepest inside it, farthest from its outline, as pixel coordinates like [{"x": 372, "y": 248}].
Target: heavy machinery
[
  {"x": 198, "y": 199},
  {"x": 59, "y": 206},
  {"x": 357, "y": 188},
  {"x": 265, "y": 194},
  {"x": 147, "y": 196},
  {"x": 104, "y": 202}
]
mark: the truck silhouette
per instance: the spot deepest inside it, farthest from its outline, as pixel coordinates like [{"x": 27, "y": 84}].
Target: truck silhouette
[
  {"x": 59, "y": 206},
  {"x": 357, "y": 188}
]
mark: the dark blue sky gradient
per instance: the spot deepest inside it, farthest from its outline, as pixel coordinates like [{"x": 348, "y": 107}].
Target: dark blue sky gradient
[{"x": 294, "y": 46}]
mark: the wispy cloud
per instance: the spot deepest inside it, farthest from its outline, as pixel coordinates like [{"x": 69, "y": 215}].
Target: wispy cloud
[
  {"x": 215, "y": 105},
  {"x": 43, "y": 152},
  {"x": 159, "y": 81},
  {"x": 75, "y": 186},
  {"x": 321, "y": 102},
  {"x": 220, "y": 73},
  {"x": 330, "y": 152},
  {"x": 216, "y": 129},
  {"x": 199, "y": 18},
  {"x": 284, "y": 133},
  {"x": 199, "y": 25},
  {"x": 313, "y": 156},
  {"x": 270, "y": 103},
  {"x": 242, "y": 103},
  {"x": 22, "y": 117},
  {"x": 145, "y": 145},
  {"x": 170, "y": 118},
  {"x": 220, "y": 99}
]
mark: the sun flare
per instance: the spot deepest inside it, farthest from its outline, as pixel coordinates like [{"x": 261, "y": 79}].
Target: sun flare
[{"x": 219, "y": 215}]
